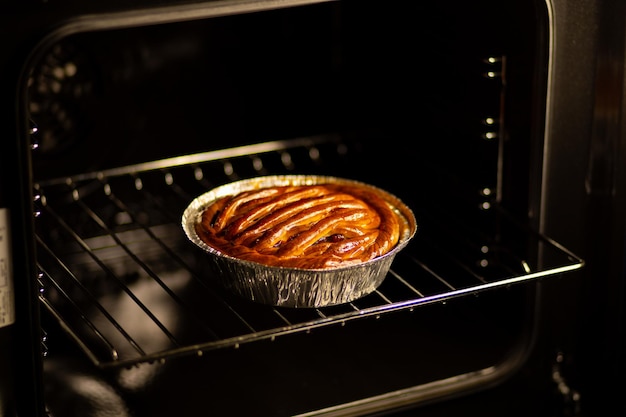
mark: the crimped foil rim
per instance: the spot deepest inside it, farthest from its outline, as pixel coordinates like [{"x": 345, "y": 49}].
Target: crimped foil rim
[{"x": 194, "y": 210}]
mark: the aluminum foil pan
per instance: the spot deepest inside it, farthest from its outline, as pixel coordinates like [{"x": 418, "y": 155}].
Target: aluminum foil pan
[{"x": 295, "y": 287}]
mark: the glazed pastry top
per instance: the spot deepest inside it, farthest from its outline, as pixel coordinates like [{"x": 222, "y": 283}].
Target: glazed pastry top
[{"x": 302, "y": 226}]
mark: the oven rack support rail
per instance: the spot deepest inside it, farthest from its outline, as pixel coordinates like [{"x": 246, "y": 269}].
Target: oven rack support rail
[{"x": 118, "y": 274}]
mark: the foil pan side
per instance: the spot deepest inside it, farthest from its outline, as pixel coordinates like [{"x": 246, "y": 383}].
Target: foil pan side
[
  {"x": 295, "y": 287},
  {"x": 290, "y": 287}
]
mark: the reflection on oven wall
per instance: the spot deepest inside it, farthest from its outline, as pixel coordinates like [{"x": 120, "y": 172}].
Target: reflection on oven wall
[
  {"x": 67, "y": 90},
  {"x": 235, "y": 94},
  {"x": 448, "y": 106}
]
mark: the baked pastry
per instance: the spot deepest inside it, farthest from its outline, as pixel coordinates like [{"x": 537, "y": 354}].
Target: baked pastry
[{"x": 301, "y": 226}]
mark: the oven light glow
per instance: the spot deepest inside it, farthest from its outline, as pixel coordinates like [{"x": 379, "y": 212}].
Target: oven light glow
[
  {"x": 314, "y": 154},
  {"x": 228, "y": 168},
  {"x": 70, "y": 69},
  {"x": 286, "y": 160},
  {"x": 490, "y": 120},
  {"x": 257, "y": 163},
  {"x": 123, "y": 217},
  {"x": 104, "y": 401},
  {"x": 58, "y": 72},
  {"x": 55, "y": 87},
  {"x": 490, "y": 135}
]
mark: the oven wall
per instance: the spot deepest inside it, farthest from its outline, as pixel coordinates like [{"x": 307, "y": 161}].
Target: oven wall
[
  {"x": 583, "y": 119},
  {"x": 582, "y": 203},
  {"x": 584, "y": 186}
]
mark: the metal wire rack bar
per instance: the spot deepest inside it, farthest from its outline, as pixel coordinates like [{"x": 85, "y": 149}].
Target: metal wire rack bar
[{"x": 117, "y": 273}]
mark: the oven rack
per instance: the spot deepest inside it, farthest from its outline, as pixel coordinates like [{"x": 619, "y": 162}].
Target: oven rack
[{"x": 120, "y": 277}]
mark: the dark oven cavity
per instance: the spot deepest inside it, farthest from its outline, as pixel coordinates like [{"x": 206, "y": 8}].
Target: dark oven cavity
[{"x": 132, "y": 122}]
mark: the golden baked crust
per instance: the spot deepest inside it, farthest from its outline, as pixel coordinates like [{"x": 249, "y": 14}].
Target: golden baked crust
[{"x": 301, "y": 226}]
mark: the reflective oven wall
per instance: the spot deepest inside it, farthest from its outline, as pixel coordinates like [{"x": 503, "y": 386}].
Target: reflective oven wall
[{"x": 460, "y": 110}]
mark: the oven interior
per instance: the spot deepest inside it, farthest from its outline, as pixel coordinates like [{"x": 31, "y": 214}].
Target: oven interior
[{"x": 442, "y": 106}]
